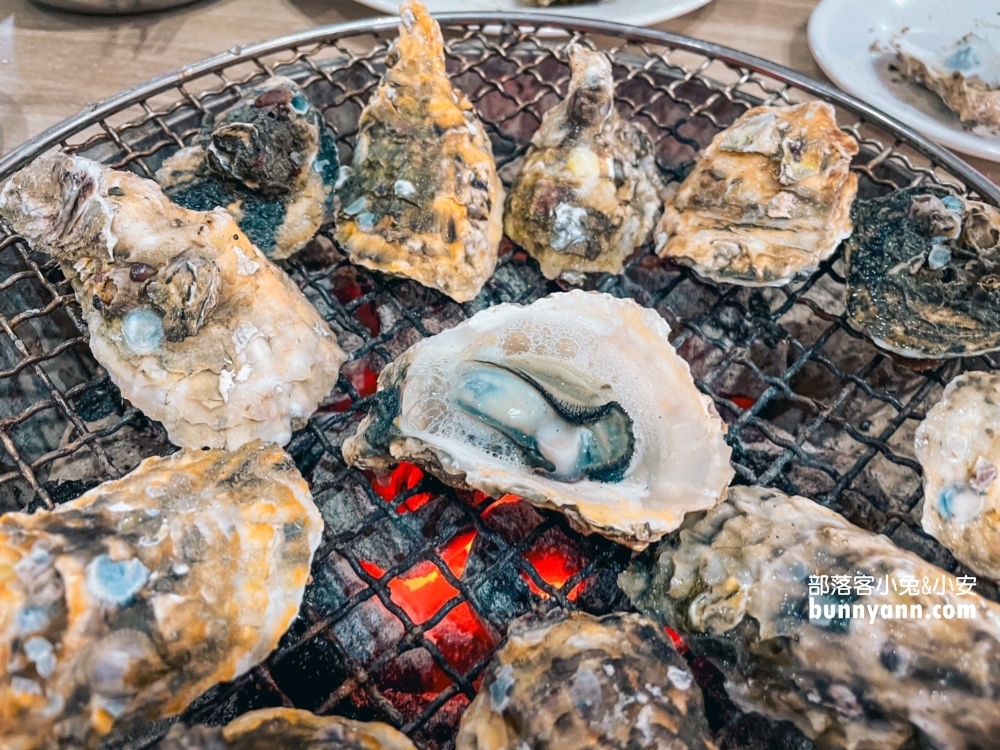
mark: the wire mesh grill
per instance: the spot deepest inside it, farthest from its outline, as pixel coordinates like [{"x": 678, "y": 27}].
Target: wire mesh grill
[{"x": 812, "y": 407}]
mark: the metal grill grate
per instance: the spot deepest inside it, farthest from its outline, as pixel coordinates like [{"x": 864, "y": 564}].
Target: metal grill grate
[{"x": 812, "y": 407}]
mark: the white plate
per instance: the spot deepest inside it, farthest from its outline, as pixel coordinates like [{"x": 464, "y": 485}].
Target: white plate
[
  {"x": 634, "y": 12},
  {"x": 848, "y": 39}
]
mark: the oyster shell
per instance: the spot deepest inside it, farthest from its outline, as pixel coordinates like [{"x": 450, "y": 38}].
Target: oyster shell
[
  {"x": 270, "y": 159},
  {"x": 287, "y": 729},
  {"x": 923, "y": 276},
  {"x": 737, "y": 579},
  {"x": 576, "y": 402},
  {"x": 122, "y": 606},
  {"x": 195, "y": 326},
  {"x": 588, "y": 193},
  {"x": 768, "y": 200},
  {"x": 577, "y": 682},
  {"x": 958, "y": 445},
  {"x": 423, "y": 199},
  {"x": 965, "y": 74}
]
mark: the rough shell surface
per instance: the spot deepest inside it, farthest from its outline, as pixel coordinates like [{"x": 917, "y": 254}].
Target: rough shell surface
[
  {"x": 678, "y": 462},
  {"x": 923, "y": 276},
  {"x": 589, "y": 191},
  {"x": 965, "y": 74},
  {"x": 122, "y": 606},
  {"x": 287, "y": 729},
  {"x": 737, "y": 580},
  {"x": 768, "y": 200},
  {"x": 270, "y": 160},
  {"x": 197, "y": 328},
  {"x": 577, "y": 682},
  {"x": 958, "y": 446},
  {"x": 422, "y": 199}
]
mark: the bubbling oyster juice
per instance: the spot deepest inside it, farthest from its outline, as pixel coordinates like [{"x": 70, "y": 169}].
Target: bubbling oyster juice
[{"x": 577, "y": 402}]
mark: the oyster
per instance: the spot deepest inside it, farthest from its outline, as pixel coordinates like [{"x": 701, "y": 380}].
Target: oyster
[
  {"x": 122, "y": 606},
  {"x": 195, "y": 326},
  {"x": 923, "y": 277},
  {"x": 958, "y": 445},
  {"x": 965, "y": 74},
  {"x": 576, "y": 402},
  {"x": 423, "y": 198},
  {"x": 768, "y": 200},
  {"x": 577, "y": 682},
  {"x": 270, "y": 159},
  {"x": 589, "y": 192},
  {"x": 287, "y": 729},
  {"x": 852, "y": 667}
]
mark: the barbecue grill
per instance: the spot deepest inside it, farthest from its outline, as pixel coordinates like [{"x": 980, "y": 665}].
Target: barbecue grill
[{"x": 415, "y": 583}]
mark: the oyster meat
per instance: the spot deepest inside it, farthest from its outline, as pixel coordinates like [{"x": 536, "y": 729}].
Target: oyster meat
[
  {"x": 270, "y": 159},
  {"x": 852, "y": 667},
  {"x": 197, "y": 328},
  {"x": 923, "y": 277},
  {"x": 958, "y": 446},
  {"x": 422, "y": 199},
  {"x": 576, "y": 402},
  {"x": 287, "y": 729},
  {"x": 579, "y": 682},
  {"x": 768, "y": 200},
  {"x": 123, "y": 606},
  {"x": 965, "y": 74},
  {"x": 589, "y": 192}
]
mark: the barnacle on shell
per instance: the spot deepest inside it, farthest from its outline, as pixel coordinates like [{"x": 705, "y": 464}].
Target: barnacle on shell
[
  {"x": 192, "y": 322},
  {"x": 270, "y": 159}
]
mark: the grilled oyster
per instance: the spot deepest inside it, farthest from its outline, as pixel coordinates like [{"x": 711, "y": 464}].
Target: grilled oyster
[
  {"x": 195, "y": 326},
  {"x": 423, "y": 198},
  {"x": 737, "y": 579},
  {"x": 768, "y": 200},
  {"x": 287, "y": 729},
  {"x": 958, "y": 445},
  {"x": 124, "y": 605},
  {"x": 576, "y": 402},
  {"x": 575, "y": 681},
  {"x": 589, "y": 192},
  {"x": 923, "y": 275},
  {"x": 270, "y": 159},
  {"x": 964, "y": 73}
]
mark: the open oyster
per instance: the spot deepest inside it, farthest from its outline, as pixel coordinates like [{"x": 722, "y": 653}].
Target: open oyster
[
  {"x": 588, "y": 193},
  {"x": 122, "y": 606},
  {"x": 578, "y": 682},
  {"x": 270, "y": 159},
  {"x": 891, "y": 650},
  {"x": 964, "y": 73},
  {"x": 194, "y": 325},
  {"x": 958, "y": 445},
  {"x": 423, "y": 198},
  {"x": 576, "y": 402},
  {"x": 768, "y": 200},
  {"x": 923, "y": 276},
  {"x": 287, "y": 729}
]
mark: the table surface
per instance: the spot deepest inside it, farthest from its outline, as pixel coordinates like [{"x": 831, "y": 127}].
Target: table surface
[{"x": 52, "y": 63}]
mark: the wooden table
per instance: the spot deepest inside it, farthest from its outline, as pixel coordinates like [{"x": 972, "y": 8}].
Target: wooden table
[{"x": 53, "y": 63}]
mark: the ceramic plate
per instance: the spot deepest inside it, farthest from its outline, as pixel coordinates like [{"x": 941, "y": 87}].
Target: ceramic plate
[
  {"x": 849, "y": 39},
  {"x": 634, "y": 12}
]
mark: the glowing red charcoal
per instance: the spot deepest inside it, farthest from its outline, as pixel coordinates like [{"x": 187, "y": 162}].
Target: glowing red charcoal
[
  {"x": 556, "y": 561},
  {"x": 362, "y": 377},
  {"x": 677, "y": 639},
  {"x": 368, "y": 317},
  {"x": 744, "y": 402},
  {"x": 404, "y": 477}
]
